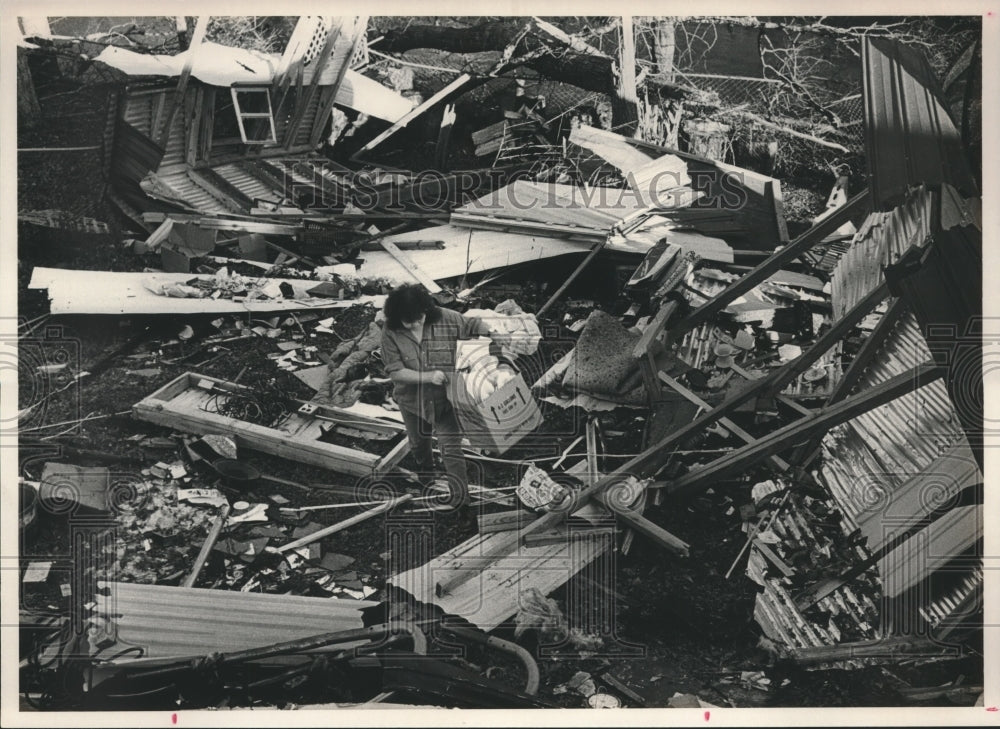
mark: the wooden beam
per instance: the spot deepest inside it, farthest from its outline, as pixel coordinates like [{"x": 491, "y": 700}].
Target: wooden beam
[
  {"x": 206, "y": 547},
  {"x": 231, "y": 224},
  {"x": 647, "y": 528},
  {"x": 412, "y": 268},
  {"x": 864, "y": 357},
  {"x": 724, "y": 422},
  {"x": 293, "y": 256},
  {"x": 444, "y": 135},
  {"x": 823, "y": 420},
  {"x": 199, "y": 35},
  {"x": 302, "y": 103},
  {"x": 891, "y": 646},
  {"x": 301, "y": 36},
  {"x": 327, "y": 98},
  {"x": 455, "y": 85},
  {"x": 342, "y": 525},
  {"x": 572, "y": 277},
  {"x": 269, "y": 175},
  {"x": 869, "y": 350},
  {"x": 193, "y": 127},
  {"x": 773, "y": 263},
  {"x": 774, "y": 382},
  {"x": 773, "y": 558},
  {"x": 831, "y": 336},
  {"x": 221, "y": 188},
  {"x": 644, "y": 353},
  {"x": 784, "y": 400}
]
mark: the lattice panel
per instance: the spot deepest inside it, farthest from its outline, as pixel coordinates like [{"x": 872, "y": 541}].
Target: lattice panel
[
  {"x": 317, "y": 41},
  {"x": 360, "y": 58}
]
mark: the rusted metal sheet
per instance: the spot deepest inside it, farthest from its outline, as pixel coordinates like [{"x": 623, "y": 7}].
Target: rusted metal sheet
[
  {"x": 910, "y": 139},
  {"x": 171, "y": 622}
]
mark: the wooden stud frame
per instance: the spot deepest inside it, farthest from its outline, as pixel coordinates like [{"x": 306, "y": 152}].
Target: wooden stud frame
[{"x": 180, "y": 404}]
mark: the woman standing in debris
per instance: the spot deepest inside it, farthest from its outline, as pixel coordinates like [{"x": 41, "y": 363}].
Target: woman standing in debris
[{"x": 419, "y": 340}]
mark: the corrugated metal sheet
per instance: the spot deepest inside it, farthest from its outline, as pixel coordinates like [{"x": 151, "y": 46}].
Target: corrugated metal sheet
[
  {"x": 175, "y": 155},
  {"x": 138, "y": 111},
  {"x": 135, "y": 155},
  {"x": 930, "y": 549},
  {"x": 910, "y": 139},
  {"x": 493, "y": 595},
  {"x": 867, "y": 459},
  {"x": 247, "y": 183},
  {"x": 881, "y": 240},
  {"x": 932, "y": 488},
  {"x": 969, "y": 589},
  {"x": 588, "y": 214},
  {"x": 170, "y": 622},
  {"x": 193, "y": 194},
  {"x": 775, "y": 610}
]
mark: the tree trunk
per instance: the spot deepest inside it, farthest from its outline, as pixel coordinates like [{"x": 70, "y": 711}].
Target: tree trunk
[
  {"x": 624, "y": 106},
  {"x": 665, "y": 47},
  {"x": 586, "y": 71},
  {"x": 663, "y": 115}
]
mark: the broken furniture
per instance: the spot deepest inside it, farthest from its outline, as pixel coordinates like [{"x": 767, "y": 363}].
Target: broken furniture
[{"x": 189, "y": 403}]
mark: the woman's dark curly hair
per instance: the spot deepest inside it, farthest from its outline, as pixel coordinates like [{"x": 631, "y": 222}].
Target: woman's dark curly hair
[{"x": 406, "y": 304}]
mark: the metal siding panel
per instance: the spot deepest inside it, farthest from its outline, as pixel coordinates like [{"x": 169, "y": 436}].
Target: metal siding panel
[
  {"x": 177, "y": 621},
  {"x": 931, "y": 548},
  {"x": 910, "y": 137}
]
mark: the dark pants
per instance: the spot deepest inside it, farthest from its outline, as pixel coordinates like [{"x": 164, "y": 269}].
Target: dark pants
[{"x": 445, "y": 426}]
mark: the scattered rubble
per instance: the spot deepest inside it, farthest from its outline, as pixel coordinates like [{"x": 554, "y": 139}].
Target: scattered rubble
[{"x": 716, "y": 451}]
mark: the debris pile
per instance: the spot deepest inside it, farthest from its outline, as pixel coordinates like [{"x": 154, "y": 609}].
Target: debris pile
[{"x": 679, "y": 408}]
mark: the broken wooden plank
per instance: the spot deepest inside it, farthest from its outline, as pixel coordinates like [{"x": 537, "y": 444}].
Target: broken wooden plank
[
  {"x": 773, "y": 558},
  {"x": 159, "y": 235},
  {"x": 186, "y": 404},
  {"x": 420, "y": 275},
  {"x": 572, "y": 277},
  {"x": 342, "y": 525},
  {"x": 647, "y": 528},
  {"x": 773, "y": 263},
  {"x": 182, "y": 82},
  {"x": 444, "y": 135},
  {"x": 206, "y": 548},
  {"x": 821, "y": 421},
  {"x": 487, "y": 134},
  {"x": 724, "y": 422},
  {"x": 455, "y": 85}
]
